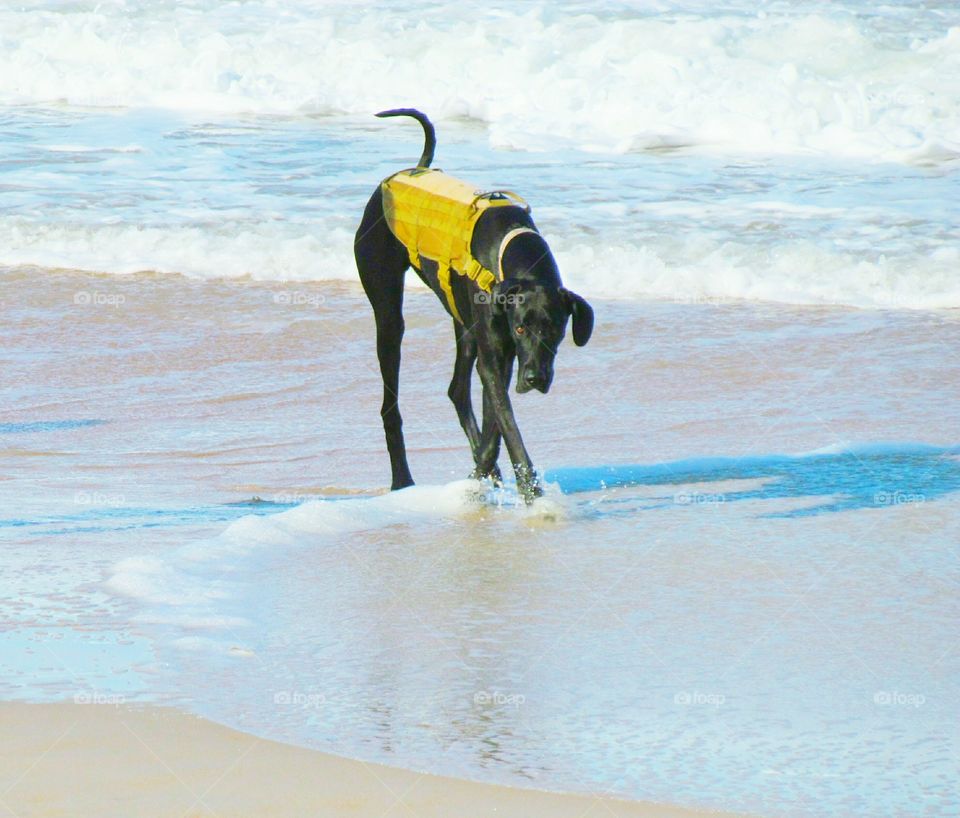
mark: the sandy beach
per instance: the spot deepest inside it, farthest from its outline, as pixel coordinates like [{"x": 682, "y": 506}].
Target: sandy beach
[{"x": 98, "y": 761}]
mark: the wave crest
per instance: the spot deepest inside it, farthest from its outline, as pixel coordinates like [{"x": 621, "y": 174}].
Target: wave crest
[{"x": 797, "y": 83}]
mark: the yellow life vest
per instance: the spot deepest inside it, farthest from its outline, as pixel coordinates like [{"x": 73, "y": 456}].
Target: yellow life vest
[{"x": 434, "y": 215}]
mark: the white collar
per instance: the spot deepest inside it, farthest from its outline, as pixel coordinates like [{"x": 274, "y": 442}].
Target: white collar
[{"x": 503, "y": 246}]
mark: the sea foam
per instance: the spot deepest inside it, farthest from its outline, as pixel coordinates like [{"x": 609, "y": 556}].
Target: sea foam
[
  {"x": 706, "y": 271},
  {"x": 794, "y": 80},
  {"x": 197, "y": 587}
]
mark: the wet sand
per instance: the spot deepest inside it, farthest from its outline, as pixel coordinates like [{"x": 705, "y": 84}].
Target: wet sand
[
  {"x": 144, "y": 412},
  {"x": 98, "y": 761}
]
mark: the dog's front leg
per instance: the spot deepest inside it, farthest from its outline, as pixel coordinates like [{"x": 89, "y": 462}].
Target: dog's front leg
[
  {"x": 495, "y": 385},
  {"x": 485, "y": 445},
  {"x": 488, "y": 449},
  {"x": 459, "y": 391}
]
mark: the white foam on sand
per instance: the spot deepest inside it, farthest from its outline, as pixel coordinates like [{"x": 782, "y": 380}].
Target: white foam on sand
[{"x": 198, "y": 586}]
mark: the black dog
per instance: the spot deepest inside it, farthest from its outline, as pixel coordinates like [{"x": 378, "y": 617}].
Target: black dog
[{"x": 504, "y": 294}]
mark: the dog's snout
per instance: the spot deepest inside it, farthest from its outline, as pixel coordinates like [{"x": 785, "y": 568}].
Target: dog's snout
[{"x": 534, "y": 378}]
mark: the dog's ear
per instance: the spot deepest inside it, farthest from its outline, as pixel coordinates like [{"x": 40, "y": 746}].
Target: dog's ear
[
  {"x": 582, "y": 314},
  {"x": 502, "y": 292}
]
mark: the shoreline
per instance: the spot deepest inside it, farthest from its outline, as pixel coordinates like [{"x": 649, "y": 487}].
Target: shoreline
[{"x": 101, "y": 760}]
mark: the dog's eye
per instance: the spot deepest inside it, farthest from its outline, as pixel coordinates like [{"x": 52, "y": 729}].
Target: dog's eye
[{"x": 520, "y": 330}]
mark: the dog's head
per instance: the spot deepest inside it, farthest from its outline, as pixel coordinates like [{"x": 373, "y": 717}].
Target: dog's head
[{"x": 536, "y": 318}]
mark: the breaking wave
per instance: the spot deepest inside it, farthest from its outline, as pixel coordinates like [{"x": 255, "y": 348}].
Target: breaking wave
[{"x": 794, "y": 79}]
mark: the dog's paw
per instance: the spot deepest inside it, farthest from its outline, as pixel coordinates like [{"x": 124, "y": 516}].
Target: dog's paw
[{"x": 493, "y": 476}]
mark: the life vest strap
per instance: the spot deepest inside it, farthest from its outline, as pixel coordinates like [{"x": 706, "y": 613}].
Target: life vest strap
[{"x": 443, "y": 278}]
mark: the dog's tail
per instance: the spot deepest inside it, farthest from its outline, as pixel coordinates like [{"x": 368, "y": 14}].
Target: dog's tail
[{"x": 430, "y": 142}]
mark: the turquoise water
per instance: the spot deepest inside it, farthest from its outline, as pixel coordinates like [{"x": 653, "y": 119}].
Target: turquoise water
[{"x": 865, "y": 477}]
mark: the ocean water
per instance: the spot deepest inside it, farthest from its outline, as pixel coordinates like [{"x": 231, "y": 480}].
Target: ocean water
[{"x": 740, "y": 591}]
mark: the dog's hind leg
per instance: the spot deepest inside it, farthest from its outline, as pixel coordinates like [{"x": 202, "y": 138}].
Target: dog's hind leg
[{"x": 382, "y": 262}]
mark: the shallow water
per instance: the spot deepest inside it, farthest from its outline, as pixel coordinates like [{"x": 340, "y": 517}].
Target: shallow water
[{"x": 696, "y": 615}]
